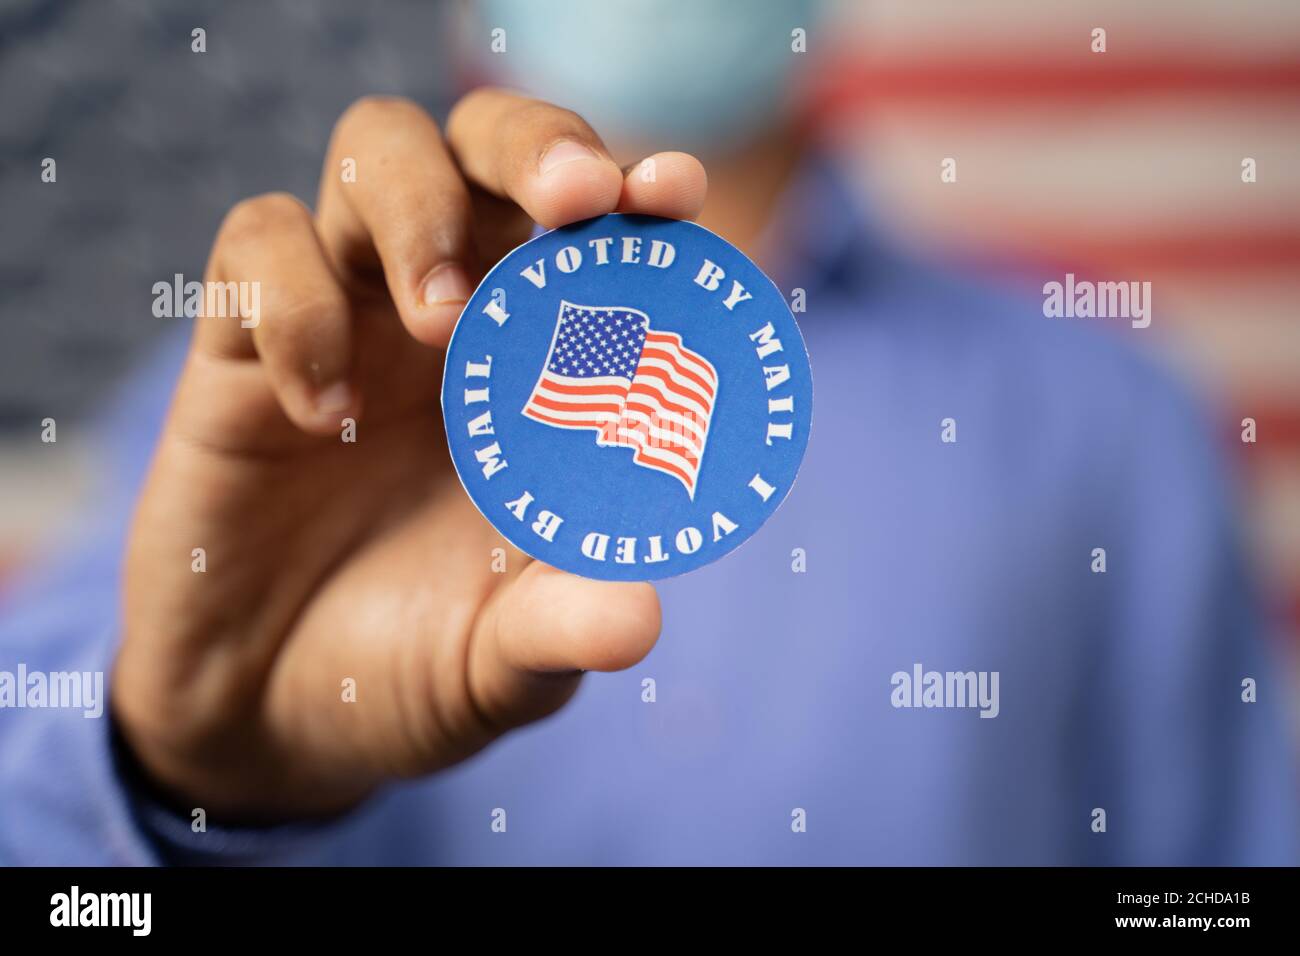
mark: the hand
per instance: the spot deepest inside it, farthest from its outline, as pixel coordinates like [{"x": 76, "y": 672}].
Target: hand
[{"x": 328, "y": 560}]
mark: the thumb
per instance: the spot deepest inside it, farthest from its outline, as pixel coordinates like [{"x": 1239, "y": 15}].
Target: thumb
[{"x": 546, "y": 626}]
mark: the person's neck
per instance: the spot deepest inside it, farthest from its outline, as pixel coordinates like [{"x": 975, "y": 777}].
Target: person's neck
[{"x": 744, "y": 189}]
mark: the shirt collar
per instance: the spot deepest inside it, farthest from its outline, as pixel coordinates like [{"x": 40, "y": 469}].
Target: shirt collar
[{"x": 821, "y": 232}]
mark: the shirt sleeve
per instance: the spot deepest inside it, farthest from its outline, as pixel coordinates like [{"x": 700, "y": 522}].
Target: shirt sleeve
[
  {"x": 61, "y": 801},
  {"x": 69, "y": 791}
]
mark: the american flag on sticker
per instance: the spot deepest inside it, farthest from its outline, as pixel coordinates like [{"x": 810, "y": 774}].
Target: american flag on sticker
[{"x": 607, "y": 371}]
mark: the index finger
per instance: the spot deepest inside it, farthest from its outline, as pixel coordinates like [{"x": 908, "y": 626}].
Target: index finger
[{"x": 551, "y": 163}]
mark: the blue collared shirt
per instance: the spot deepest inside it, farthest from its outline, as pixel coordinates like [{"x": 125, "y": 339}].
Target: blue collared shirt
[{"x": 773, "y": 736}]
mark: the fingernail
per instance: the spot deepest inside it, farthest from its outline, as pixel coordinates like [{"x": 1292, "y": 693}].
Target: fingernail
[
  {"x": 445, "y": 284},
  {"x": 334, "y": 398},
  {"x": 565, "y": 151}
]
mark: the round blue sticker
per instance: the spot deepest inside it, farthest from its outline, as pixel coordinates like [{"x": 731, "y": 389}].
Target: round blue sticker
[{"x": 627, "y": 398}]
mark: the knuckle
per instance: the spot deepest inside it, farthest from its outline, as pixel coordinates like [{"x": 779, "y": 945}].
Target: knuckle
[
  {"x": 298, "y": 325},
  {"x": 260, "y": 214},
  {"x": 376, "y": 108},
  {"x": 551, "y": 119},
  {"x": 516, "y": 114},
  {"x": 467, "y": 104}
]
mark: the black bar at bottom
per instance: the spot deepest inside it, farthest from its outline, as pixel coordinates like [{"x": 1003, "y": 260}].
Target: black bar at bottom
[{"x": 305, "y": 905}]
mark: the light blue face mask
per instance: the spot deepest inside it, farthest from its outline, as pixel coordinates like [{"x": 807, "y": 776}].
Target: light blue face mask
[{"x": 701, "y": 75}]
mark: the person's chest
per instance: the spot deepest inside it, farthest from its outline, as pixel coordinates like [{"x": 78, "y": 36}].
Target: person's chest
[{"x": 771, "y": 722}]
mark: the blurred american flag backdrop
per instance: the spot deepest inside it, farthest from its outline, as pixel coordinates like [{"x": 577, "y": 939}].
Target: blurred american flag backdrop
[{"x": 1122, "y": 165}]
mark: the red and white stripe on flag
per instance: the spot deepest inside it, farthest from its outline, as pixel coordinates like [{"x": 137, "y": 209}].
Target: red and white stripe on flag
[{"x": 662, "y": 412}]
